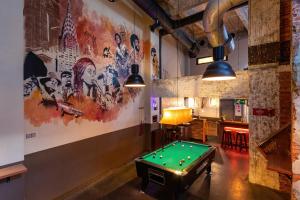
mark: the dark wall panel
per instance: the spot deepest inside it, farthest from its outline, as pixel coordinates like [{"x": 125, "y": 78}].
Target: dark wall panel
[
  {"x": 12, "y": 190},
  {"x": 59, "y": 170}
]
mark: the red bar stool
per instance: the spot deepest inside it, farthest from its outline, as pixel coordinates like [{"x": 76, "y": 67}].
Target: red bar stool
[
  {"x": 241, "y": 140},
  {"x": 227, "y": 139}
]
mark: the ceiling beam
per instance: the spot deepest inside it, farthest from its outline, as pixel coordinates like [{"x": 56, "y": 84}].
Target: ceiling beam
[
  {"x": 242, "y": 13},
  {"x": 157, "y": 13},
  {"x": 184, "y": 5}
]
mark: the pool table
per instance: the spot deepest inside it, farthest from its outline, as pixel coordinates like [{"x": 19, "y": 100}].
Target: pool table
[{"x": 175, "y": 166}]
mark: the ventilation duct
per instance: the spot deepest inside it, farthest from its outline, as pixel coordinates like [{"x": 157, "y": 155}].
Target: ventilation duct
[{"x": 214, "y": 27}]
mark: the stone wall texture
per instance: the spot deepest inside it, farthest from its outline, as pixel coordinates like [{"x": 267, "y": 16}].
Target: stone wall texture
[
  {"x": 263, "y": 21},
  {"x": 265, "y": 40},
  {"x": 194, "y": 86},
  {"x": 264, "y": 93}
]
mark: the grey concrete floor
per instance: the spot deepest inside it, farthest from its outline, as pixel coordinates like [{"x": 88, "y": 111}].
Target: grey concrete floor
[{"x": 229, "y": 181}]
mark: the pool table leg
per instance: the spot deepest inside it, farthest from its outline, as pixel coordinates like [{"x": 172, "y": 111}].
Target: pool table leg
[
  {"x": 176, "y": 195},
  {"x": 208, "y": 169},
  {"x": 144, "y": 184}
]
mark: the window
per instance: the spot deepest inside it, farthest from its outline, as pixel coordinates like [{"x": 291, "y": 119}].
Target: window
[{"x": 207, "y": 59}]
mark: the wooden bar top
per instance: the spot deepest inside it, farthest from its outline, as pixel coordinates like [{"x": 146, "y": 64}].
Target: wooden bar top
[
  {"x": 11, "y": 171},
  {"x": 234, "y": 129},
  {"x": 239, "y": 123}
]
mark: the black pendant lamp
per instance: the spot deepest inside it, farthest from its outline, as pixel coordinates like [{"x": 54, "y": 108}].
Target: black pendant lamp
[
  {"x": 134, "y": 80},
  {"x": 219, "y": 70}
]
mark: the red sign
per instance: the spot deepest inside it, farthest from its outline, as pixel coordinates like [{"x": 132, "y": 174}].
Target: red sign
[{"x": 263, "y": 112}]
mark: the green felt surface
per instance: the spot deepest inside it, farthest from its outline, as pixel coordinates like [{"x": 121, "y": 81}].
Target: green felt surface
[{"x": 172, "y": 154}]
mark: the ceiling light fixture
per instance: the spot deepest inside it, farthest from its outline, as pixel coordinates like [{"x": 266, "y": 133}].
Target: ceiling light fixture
[
  {"x": 218, "y": 70},
  {"x": 134, "y": 80}
]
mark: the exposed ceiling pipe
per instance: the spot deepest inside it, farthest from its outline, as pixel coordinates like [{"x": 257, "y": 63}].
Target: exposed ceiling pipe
[
  {"x": 213, "y": 23},
  {"x": 199, "y": 17},
  {"x": 157, "y": 13}
]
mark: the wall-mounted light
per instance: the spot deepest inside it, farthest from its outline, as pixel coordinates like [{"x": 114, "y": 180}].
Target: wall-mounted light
[{"x": 208, "y": 59}]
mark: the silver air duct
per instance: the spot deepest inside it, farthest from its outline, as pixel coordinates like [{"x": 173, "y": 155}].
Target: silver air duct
[{"x": 213, "y": 23}]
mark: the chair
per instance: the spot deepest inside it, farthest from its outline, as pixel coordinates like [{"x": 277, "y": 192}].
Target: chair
[
  {"x": 241, "y": 140},
  {"x": 227, "y": 139}
]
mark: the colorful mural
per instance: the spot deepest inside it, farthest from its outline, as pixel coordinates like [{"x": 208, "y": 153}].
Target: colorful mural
[
  {"x": 155, "y": 64},
  {"x": 76, "y": 63}
]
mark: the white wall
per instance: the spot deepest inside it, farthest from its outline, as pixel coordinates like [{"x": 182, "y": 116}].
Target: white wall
[
  {"x": 154, "y": 42},
  {"x": 238, "y": 59},
  {"x": 11, "y": 82},
  {"x": 169, "y": 58}
]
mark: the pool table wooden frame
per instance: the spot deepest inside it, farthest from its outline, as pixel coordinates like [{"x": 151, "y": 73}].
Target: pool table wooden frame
[{"x": 173, "y": 180}]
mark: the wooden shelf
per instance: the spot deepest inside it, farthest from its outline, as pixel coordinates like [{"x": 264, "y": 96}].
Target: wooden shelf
[{"x": 11, "y": 171}]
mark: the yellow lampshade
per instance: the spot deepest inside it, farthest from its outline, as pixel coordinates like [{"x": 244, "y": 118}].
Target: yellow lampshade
[{"x": 176, "y": 115}]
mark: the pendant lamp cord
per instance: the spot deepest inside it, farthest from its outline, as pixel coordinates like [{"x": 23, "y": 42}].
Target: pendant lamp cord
[
  {"x": 238, "y": 44},
  {"x": 218, "y": 20},
  {"x": 134, "y": 33},
  {"x": 177, "y": 46}
]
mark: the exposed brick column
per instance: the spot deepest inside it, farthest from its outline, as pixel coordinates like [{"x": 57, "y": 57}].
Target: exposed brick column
[{"x": 269, "y": 75}]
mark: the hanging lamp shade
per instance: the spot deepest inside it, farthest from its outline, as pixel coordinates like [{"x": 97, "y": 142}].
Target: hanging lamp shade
[
  {"x": 135, "y": 80},
  {"x": 219, "y": 69},
  {"x": 176, "y": 115}
]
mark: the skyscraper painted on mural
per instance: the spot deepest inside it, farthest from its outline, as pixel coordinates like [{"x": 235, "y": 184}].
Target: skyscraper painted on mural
[{"x": 68, "y": 44}]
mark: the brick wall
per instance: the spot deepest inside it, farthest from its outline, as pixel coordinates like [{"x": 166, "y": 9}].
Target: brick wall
[
  {"x": 270, "y": 81},
  {"x": 285, "y": 97},
  {"x": 264, "y": 93},
  {"x": 285, "y": 31},
  {"x": 194, "y": 86}
]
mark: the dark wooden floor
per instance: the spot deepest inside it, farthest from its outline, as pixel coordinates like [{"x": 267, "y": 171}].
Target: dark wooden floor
[{"x": 229, "y": 181}]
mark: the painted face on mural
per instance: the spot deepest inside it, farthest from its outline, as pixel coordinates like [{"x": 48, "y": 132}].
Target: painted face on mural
[
  {"x": 137, "y": 45},
  {"x": 66, "y": 79},
  {"x": 106, "y": 52},
  {"x": 89, "y": 74},
  {"x": 52, "y": 84},
  {"x": 135, "y": 42},
  {"x": 153, "y": 52},
  {"x": 118, "y": 39}
]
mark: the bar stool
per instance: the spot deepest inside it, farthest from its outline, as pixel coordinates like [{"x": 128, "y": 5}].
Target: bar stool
[
  {"x": 227, "y": 139},
  {"x": 186, "y": 131},
  {"x": 241, "y": 140}
]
